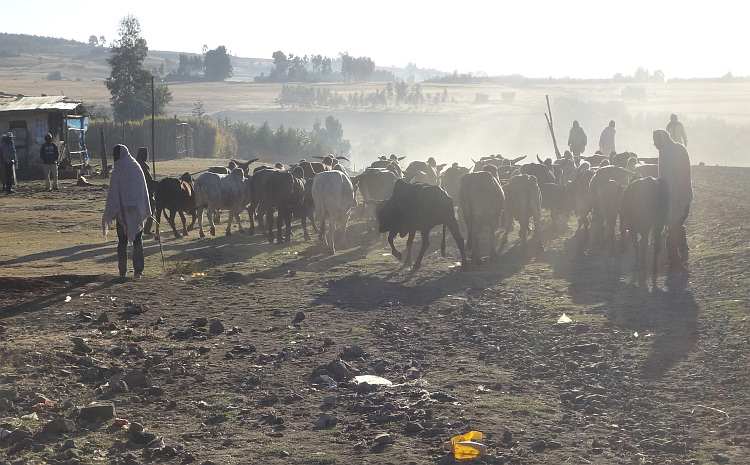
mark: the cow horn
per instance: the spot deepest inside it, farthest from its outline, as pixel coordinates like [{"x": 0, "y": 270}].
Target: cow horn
[
  {"x": 539, "y": 159},
  {"x": 516, "y": 160}
]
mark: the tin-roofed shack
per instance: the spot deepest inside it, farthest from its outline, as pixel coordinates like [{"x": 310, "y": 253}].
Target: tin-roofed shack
[{"x": 30, "y": 118}]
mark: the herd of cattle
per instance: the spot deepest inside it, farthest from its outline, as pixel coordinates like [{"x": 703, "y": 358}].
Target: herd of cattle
[{"x": 495, "y": 193}]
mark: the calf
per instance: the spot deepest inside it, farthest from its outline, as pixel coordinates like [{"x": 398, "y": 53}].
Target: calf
[
  {"x": 333, "y": 194},
  {"x": 418, "y": 207},
  {"x": 523, "y": 200},
  {"x": 644, "y": 207},
  {"x": 482, "y": 202},
  {"x": 177, "y": 196}
]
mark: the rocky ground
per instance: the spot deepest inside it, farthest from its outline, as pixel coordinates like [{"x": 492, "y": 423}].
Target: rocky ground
[{"x": 245, "y": 352}]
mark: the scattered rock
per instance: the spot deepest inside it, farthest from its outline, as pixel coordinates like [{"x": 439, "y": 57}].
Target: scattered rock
[
  {"x": 216, "y": 327},
  {"x": 137, "y": 378},
  {"x": 59, "y": 425},
  {"x": 80, "y": 346},
  {"x": 97, "y": 411}
]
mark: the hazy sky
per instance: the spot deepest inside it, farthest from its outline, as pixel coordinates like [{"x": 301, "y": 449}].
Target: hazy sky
[{"x": 534, "y": 38}]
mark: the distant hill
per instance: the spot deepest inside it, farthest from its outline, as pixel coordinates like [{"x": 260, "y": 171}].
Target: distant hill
[{"x": 91, "y": 60}]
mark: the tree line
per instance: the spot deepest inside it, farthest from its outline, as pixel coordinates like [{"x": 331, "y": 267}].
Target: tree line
[
  {"x": 317, "y": 68},
  {"x": 391, "y": 95}
]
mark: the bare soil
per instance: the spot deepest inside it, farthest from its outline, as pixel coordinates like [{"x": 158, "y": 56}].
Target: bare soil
[{"x": 235, "y": 350}]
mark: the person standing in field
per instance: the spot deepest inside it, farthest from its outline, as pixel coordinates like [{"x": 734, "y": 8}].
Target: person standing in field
[
  {"x": 607, "y": 139},
  {"x": 676, "y": 130},
  {"x": 142, "y": 159},
  {"x": 674, "y": 169},
  {"x": 50, "y": 155},
  {"x": 577, "y": 141},
  {"x": 10, "y": 161},
  {"x": 127, "y": 203}
]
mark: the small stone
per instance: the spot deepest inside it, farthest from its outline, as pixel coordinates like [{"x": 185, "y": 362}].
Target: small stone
[
  {"x": 216, "y": 327},
  {"x": 200, "y": 322},
  {"x": 299, "y": 317},
  {"x": 721, "y": 458},
  {"x": 329, "y": 400}
]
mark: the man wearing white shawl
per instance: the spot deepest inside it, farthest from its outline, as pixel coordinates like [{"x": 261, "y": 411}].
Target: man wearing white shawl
[
  {"x": 128, "y": 204},
  {"x": 674, "y": 169}
]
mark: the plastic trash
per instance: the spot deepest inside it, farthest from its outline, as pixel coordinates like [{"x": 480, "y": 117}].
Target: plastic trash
[
  {"x": 372, "y": 379},
  {"x": 564, "y": 319},
  {"x": 465, "y": 446}
]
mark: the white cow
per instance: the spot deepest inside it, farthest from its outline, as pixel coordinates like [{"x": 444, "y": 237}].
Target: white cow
[
  {"x": 221, "y": 192},
  {"x": 333, "y": 195}
]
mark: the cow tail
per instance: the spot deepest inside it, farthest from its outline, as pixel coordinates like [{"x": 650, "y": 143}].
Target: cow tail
[{"x": 442, "y": 244}]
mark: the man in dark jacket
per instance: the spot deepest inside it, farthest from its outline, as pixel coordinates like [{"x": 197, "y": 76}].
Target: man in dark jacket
[
  {"x": 10, "y": 161},
  {"x": 577, "y": 141},
  {"x": 50, "y": 155}
]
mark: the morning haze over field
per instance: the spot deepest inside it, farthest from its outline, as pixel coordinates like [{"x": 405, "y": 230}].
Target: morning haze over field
[{"x": 460, "y": 117}]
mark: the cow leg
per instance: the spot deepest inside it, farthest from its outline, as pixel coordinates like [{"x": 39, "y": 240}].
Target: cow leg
[
  {"x": 239, "y": 221},
  {"x": 344, "y": 221},
  {"x": 269, "y": 225},
  {"x": 409, "y": 242},
  {"x": 250, "y": 212},
  {"x": 287, "y": 220},
  {"x": 493, "y": 228},
  {"x": 200, "y": 222},
  {"x": 456, "y": 233},
  {"x": 331, "y": 233},
  {"x": 171, "y": 223},
  {"x": 523, "y": 232},
  {"x": 229, "y": 222},
  {"x": 423, "y": 249},
  {"x": 396, "y": 253},
  {"x": 210, "y": 215},
  {"x": 507, "y": 229},
  {"x": 184, "y": 223},
  {"x": 322, "y": 231},
  {"x": 157, "y": 236}
]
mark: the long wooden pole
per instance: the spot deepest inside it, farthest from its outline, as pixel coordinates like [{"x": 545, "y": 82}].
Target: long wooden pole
[
  {"x": 551, "y": 129},
  {"x": 105, "y": 167},
  {"x": 153, "y": 130}
]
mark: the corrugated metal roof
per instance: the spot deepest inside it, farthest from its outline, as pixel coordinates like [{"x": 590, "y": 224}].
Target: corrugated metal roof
[{"x": 52, "y": 102}]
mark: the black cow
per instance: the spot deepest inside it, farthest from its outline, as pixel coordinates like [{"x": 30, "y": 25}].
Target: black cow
[
  {"x": 418, "y": 207},
  {"x": 177, "y": 196},
  {"x": 284, "y": 193}
]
